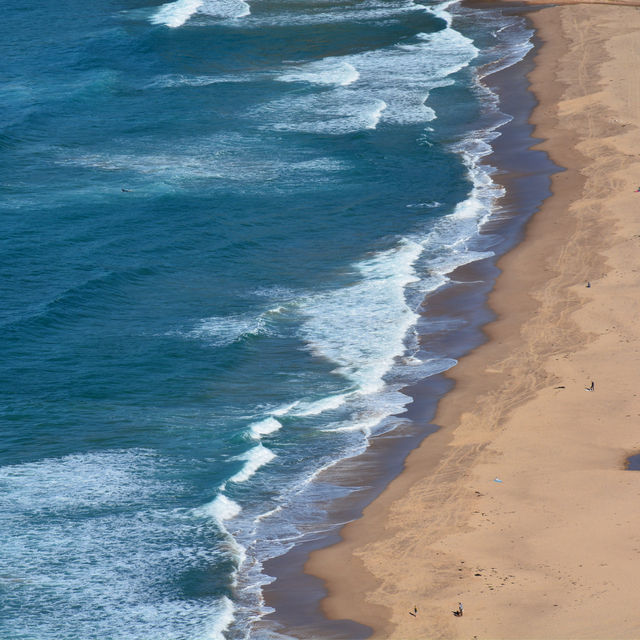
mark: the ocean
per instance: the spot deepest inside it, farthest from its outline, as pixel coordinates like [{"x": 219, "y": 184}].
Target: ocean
[{"x": 221, "y": 219}]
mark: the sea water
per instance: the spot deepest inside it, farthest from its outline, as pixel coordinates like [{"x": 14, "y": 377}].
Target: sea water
[{"x": 220, "y": 221}]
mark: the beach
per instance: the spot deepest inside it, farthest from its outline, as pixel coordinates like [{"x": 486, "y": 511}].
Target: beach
[{"x": 520, "y": 506}]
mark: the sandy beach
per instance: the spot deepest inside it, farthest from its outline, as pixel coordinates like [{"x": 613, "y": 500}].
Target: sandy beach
[{"x": 520, "y": 506}]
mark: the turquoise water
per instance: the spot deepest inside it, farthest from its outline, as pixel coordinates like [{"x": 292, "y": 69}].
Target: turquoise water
[{"x": 220, "y": 219}]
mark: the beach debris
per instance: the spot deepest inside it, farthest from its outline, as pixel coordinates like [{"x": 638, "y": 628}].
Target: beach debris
[
  {"x": 560, "y": 387},
  {"x": 497, "y": 480}
]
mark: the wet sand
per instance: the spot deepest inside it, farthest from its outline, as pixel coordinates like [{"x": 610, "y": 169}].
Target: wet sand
[{"x": 553, "y": 549}]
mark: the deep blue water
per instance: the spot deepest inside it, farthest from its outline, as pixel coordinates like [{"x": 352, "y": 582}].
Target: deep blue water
[{"x": 220, "y": 220}]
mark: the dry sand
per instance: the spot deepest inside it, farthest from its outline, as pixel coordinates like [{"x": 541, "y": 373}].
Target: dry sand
[{"x": 552, "y": 551}]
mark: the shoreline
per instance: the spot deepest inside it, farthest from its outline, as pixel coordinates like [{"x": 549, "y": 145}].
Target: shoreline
[
  {"x": 295, "y": 595},
  {"x": 443, "y": 530}
]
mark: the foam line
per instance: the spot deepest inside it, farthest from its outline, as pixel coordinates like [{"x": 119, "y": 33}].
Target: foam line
[
  {"x": 220, "y": 509},
  {"x": 330, "y": 71},
  {"x": 364, "y": 346},
  {"x": 222, "y": 620},
  {"x": 175, "y": 14},
  {"x": 255, "y": 458},
  {"x": 320, "y": 406},
  {"x": 264, "y": 427},
  {"x": 376, "y": 114}
]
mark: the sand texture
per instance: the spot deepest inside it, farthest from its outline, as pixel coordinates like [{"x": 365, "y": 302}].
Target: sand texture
[{"x": 552, "y": 551}]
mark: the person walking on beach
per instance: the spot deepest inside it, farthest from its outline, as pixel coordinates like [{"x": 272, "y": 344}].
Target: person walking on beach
[{"x": 460, "y": 609}]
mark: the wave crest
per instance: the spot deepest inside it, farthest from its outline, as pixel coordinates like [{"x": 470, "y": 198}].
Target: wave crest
[{"x": 175, "y": 14}]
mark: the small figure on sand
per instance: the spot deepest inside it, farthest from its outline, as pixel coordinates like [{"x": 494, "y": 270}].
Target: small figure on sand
[
  {"x": 637, "y": 190},
  {"x": 414, "y": 613},
  {"x": 592, "y": 387},
  {"x": 588, "y": 285},
  {"x": 460, "y": 609}
]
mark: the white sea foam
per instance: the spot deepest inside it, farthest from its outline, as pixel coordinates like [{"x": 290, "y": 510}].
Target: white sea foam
[
  {"x": 221, "y": 10},
  {"x": 222, "y": 618},
  {"x": 480, "y": 204},
  {"x": 277, "y": 310},
  {"x": 326, "y": 112},
  {"x": 264, "y": 427},
  {"x": 375, "y": 115},
  {"x": 220, "y": 509},
  {"x": 82, "y": 481},
  {"x": 255, "y": 458},
  {"x": 330, "y": 71},
  {"x": 447, "y": 244},
  {"x": 281, "y": 411},
  {"x": 85, "y": 533},
  {"x": 364, "y": 345},
  {"x": 392, "y": 86},
  {"x": 175, "y": 14},
  {"x": 317, "y": 407},
  {"x": 370, "y": 11},
  {"x": 365, "y": 424}
]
